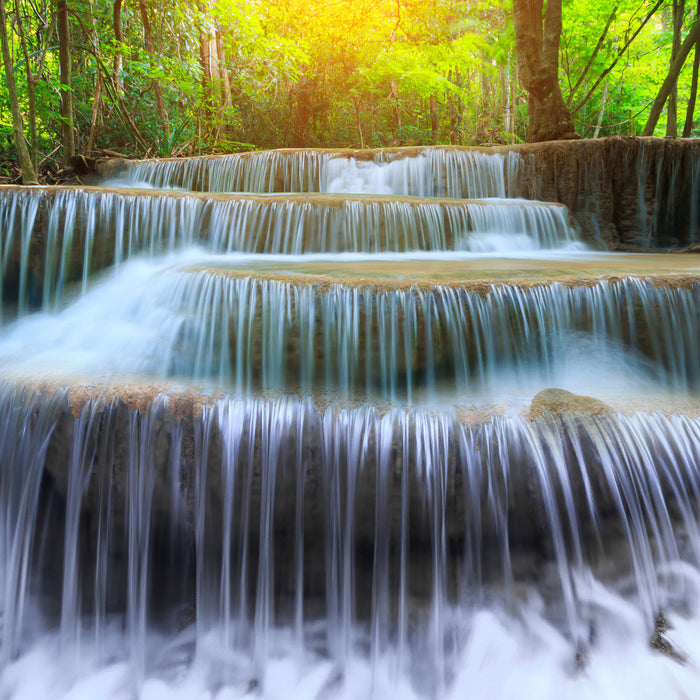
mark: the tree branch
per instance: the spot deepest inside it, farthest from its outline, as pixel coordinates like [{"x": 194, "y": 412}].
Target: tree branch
[
  {"x": 588, "y": 65},
  {"x": 602, "y": 76},
  {"x": 671, "y": 78}
]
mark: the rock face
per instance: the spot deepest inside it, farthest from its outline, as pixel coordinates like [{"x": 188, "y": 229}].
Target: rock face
[
  {"x": 556, "y": 402},
  {"x": 623, "y": 192}
]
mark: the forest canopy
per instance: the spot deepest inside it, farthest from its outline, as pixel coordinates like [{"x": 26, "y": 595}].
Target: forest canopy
[{"x": 195, "y": 76}]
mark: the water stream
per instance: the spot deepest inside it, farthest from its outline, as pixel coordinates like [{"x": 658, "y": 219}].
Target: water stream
[{"x": 278, "y": 446}]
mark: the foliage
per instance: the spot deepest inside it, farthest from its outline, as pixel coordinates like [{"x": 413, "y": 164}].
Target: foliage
[
  {"x": 633, "y": 83},
  {"x": 239, "y": 74}
]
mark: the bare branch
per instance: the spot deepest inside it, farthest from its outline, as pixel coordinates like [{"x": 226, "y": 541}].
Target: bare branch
[
  {"x": 598, "y": 46},
  {"x": 602, "y": 76}
]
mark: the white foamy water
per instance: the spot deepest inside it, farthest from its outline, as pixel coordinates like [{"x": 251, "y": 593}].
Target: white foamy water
[
  {"x": 502, "y": 656},
  {"x": 183, "y": 316},
  {"x": 433, "y": 173},
  {"x": 126, "y": 182},
  {"x": 55, "y": 238}
]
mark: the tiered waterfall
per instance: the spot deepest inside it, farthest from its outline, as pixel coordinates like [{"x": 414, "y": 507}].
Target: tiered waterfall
[{"x": 267, "y": 429}]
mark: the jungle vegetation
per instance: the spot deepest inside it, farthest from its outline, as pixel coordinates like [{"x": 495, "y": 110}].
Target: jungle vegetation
[{"x": 183, "y": 77}]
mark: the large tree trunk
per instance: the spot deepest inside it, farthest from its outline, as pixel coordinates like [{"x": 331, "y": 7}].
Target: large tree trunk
[
  {"x": 25, "y": 161},
  {"x": 671, "y": 79},
  {"x": 215, "y": 81},
  {"x": 537, "y": 50},
  {"x": 64, "y": 58}
]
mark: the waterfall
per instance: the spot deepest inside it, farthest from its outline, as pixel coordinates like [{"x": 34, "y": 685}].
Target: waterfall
[
  {"x": 634, "y": 192},
  {"x": 255, "y": 332},
  {"x": 286, "y": 428},
  {"x": 270, "y": 171},
  {"x": 434, "y": 172},
  {"x": 245, "y": 331},
  {"x": 55, "y": 238},
  {"x": 621, "y": 191},
  {"x": 610, "y": 485}
]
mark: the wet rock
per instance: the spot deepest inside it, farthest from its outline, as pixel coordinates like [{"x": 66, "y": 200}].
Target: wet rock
[
  {"x": 110, "y": 167},
  {"x": 82, "y": 165},
  {"x": 660, "y": 641},
  {"x": 555, "y": 402},
  {"x": 688, "y": 249}
]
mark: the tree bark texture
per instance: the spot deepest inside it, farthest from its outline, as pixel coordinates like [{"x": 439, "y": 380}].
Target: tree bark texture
[
  {"x": 209, "y": 60},
  {"x": 119, "y": 37},
  {"x": 537, "y": 52},
  {"x": 25, "y": 161},
  {"x": 215, "y": 80},
  {"x": 64, "y": 58}
]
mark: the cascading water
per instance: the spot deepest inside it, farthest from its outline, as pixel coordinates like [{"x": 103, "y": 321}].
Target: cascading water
[
  {"x": 435, "y": 172},
  {"x": 251, "y": 332},
  {"x": 344, "y": 498},
  {"x": 55, "y": 238},
  {"x": 270, "y": 496}
]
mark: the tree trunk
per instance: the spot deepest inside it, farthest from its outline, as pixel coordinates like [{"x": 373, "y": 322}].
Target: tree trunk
[
  {"x": 513, "y": 99},
  {"x": 157, "y": 90},
  {"x": 119, "y": 37},
  {"x": 68, "y": 132},
  {"x": 671, "y": 79},
  {"x": 25, "y": 161},
  {"x": 97, "y": 98},
  {"x": 204, "y": 62},
  {"x": 434, "y": 120},
  {"x": 672, "y": 109},
  {"x": 688, "y": 126},
  {"x": 31, "y": 82},
  {"x": 603, "y": 100},
  {"x": 215, "y": 81},
  {"x": 94, "y": 112},
  {"x": 209, "y": 60},
  {"x": 224, "y": 82},
  {"x": 537, "y": 52}
]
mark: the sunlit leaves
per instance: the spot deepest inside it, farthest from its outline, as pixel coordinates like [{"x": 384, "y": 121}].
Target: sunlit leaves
[{"x": 633, "y": 83}]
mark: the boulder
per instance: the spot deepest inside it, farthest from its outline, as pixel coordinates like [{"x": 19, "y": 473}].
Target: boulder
[{"x": 556, "y": 402}]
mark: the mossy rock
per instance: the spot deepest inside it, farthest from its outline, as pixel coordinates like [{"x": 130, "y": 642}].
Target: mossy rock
[{"x": 556, "y": 402}]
